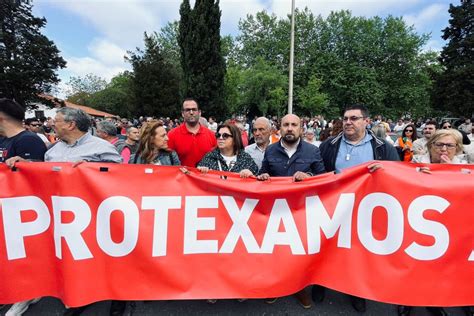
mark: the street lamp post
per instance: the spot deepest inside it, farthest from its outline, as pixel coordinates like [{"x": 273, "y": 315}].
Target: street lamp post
[{"x": 292, "y": 55}]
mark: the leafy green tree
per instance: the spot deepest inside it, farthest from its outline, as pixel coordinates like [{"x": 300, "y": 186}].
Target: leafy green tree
[
  {"x": 201, "y": 57},
  {"x": 167, "y": 39},
  {"x": 82, "y": 88},
  {"x": 312, "y": 101},
  {"x": 117, "y": 98},
  {"x": 28, "y": 59},
  {"x": 367, "y": 60},
  {"x": 155, "y": 81},
  {"x": 454, "y": 92},
  {"x": 264, "y": 90}
]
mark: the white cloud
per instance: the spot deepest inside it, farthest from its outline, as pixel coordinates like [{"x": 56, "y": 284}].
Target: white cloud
[
  {"x": 107, "y": 52},
  {"x": 81, "y": 66},
  {"x": 122, "y": 22},
  {"x": 427, "y": 16},
  {"x": 234, "y": 10}
]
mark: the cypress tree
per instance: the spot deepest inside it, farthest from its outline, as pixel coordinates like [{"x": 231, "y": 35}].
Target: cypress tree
[
  {"x": 201, "y": 58},
  {"x": 454, "y": 86}
]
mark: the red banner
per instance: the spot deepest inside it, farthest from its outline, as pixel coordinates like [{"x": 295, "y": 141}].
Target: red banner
[{"x": 134, "y": 232}]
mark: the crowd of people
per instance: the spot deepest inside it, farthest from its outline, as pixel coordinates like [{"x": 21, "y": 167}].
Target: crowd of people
[{"x": 262, "y": 148}]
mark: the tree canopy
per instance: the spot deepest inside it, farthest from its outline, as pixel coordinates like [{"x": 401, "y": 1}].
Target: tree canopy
[
  {"x": 454, "y": 86},
  {"x": 28, "y": 59}
]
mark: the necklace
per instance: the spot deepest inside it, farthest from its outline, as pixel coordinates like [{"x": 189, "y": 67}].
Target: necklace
[{"x": 349, "y": 150}]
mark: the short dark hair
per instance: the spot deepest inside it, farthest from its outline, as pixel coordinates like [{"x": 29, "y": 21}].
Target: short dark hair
[
  {"x": 30, "y": 120},
  {"x": 191, "y": 99},
  {"x": 363, "y": 109},
  {"x": 12, "y": 109},
  {"x": 432, "y": 122}
]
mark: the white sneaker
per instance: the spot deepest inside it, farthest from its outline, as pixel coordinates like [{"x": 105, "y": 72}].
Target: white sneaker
[{"x": 19, "y": 308}]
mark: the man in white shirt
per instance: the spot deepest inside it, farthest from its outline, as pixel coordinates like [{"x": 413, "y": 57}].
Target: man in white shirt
[
  {"x": 419, "y": 145},
  {"x": 261, "y": 132}
]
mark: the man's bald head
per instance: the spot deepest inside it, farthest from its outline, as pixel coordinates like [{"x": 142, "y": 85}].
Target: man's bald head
[{"x": 290, "y": 129}]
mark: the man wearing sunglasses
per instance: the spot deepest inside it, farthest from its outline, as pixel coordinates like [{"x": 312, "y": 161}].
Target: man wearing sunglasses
[
  {"x": 191, "y": 140},
  {"x": 32, "y": 124},
  {"x": 353, "y": 146}
]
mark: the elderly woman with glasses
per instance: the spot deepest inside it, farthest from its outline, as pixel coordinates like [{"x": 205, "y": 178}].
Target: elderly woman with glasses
[
  {"x": 443, "y": 147},
  {"x": 229, "y": 154},
  {"x": 404, "y": 143}
]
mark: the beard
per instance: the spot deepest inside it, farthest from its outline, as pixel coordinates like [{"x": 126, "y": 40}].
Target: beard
[{"x": 290, "y": 139}]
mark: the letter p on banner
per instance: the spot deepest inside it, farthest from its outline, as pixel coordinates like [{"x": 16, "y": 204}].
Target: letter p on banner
[{"x": 16, "y": 230}]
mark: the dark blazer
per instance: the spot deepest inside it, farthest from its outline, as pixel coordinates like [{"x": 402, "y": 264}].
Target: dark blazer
[
  {"x": 381, "y": 148},
  {"x": 307, "y": 158}
]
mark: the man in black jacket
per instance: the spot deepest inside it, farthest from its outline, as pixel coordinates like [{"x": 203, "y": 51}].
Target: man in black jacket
[{"x": 353, "y": 146}]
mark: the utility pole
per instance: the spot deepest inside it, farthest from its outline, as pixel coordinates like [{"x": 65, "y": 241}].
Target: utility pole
[{"x": 292, "y": 56}]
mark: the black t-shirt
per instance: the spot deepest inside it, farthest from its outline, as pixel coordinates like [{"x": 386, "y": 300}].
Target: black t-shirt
[{"x": 26, "y": 144}]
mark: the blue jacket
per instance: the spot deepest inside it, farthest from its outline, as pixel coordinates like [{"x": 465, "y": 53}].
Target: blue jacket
[
  {"x": 307, "y": 158},
  {"x": 381, "y": 148}
]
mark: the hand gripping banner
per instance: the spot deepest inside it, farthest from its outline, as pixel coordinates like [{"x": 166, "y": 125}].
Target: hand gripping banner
[{"x": 134, "y": 232}]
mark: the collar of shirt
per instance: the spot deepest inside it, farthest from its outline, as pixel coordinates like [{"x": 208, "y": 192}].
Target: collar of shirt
[
  {"x": 79, "y": 141},
  {"x": 290, "y": 151},
  {"x": 185, "y": 130},
  {"x": 367, "y": 138}
]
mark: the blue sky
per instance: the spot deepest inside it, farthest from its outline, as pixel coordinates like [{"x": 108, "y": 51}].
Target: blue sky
[{"x": 94, "y": 35}]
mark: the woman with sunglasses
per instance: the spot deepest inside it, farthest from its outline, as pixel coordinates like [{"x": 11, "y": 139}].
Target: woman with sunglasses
[
  {"x": 153, "y": 147},
  {"x": 445, "y": 125},
  {"x": 404, "y": 143},
  {"x": 229, "y": 154}
]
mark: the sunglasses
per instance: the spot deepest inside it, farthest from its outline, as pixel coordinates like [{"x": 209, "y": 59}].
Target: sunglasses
[
  {"x": 446, "y": 126},
  {"x": 35, "y": 125},
  {"x": 223, "y": 135},
  {"x": 409, "y": 131}
]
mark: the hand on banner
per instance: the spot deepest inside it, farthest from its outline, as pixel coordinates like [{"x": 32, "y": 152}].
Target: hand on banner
[
  {"x": 184, "y": 170},
  {"x": 10, "y": 162},
  {"x": 374, "y": 166},
  {"x": 426, "y": 170},
  {"x": 263, "y": 177},
  {"x": 299, "y": 176},
  {"x": 245, "y": 173},
  {"x": 77, "y": 163},
  {"x": 203, "y": 169}
]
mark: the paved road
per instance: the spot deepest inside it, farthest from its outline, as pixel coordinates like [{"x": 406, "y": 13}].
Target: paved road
[{"x": 334, "y": 304}]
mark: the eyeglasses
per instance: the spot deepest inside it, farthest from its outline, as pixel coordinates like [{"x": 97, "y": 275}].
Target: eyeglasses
[
  {"x": 352, "y": 118},
  {"x": 447, "y": 127},
  {"x": 191, "y": 109},
  {"x": 408, "y": 131},
  {"x": 441, "y": 145},
  {"x": 223, "y": 135},
  {"x": 35, "y": 125}
]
